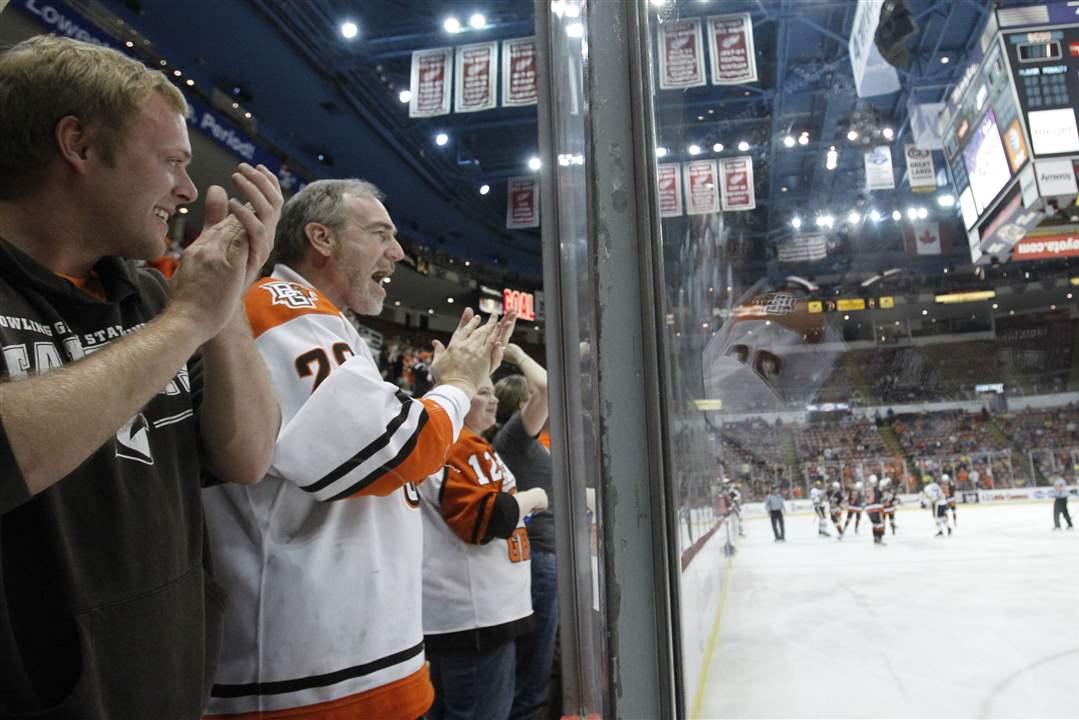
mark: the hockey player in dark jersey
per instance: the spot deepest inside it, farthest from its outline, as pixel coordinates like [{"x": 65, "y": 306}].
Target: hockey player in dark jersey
[
  {"x": 874, "y": 509},
  {"x": 855, "y": 500},
  {"x": 836, "y": 498},
  {"x": 890, "y": 498},
  {"x": 947, "y": 485}
]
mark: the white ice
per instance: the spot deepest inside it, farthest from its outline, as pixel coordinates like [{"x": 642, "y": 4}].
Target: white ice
[{"x": 982, "y": 624}]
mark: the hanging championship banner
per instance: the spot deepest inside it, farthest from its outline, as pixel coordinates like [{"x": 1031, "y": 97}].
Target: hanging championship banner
[
  {"x": 681, "y": 54},
  {"x": 878, "y": 168},
  {"x": 702, "y": 187},
  {"x": 737, "y": 183},
  {"x": 522, "y": 202},
  {"x": 477, "y": 81},
  {"x": 669, "y": 183},
  {"x": 430, "y": 83},
  {"x": 730, "y": 40},
  {"x": 920, "y": 170},
  {"x": 519, "y": 72}
]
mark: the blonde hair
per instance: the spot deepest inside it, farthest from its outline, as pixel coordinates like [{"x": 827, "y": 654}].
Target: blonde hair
[{"x": 46, "y": 78}]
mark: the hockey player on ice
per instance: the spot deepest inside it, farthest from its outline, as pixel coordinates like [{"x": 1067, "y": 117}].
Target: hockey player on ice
[
  {"x": 938, "y": 503},
  {"x": 874, "y": 509},
  {"x": 855, "y": 500},
  {"x": 890, "y": 497},
  {"x": 947, "y": 486},
  {"x": 816, "y": 495},
  {"x": 835, "y": 504}
]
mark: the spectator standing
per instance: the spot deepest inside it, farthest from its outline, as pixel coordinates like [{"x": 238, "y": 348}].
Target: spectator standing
[
  {"x": 1060, "y": 504},
  {"x": 114, "y": 406},
  {"x": 476, "y": 575},
  {"x": 774, "y": 505},
  {"x": 323, "y": 558},
  {"x": 521, "y": 416}
]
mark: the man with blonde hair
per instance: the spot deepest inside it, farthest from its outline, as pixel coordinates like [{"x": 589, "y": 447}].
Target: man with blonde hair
[{"x": 119, "y": 395}]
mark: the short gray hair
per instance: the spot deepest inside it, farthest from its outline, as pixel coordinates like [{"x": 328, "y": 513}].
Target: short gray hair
[{"x": 323, "y": 202}]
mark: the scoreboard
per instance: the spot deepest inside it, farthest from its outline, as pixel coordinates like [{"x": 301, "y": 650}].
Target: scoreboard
[{"x": 1009, "y": 128}]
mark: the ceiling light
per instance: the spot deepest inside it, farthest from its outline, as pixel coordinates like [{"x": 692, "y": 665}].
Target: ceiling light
[
  {"x": 803, "y": 139},
  {"x": 484, "y": 189},
  {"x": 846, "y": 317},
  {"x": 468, "y": 263},
  {"x": 247, "y": 116},
  {"x": 896, "y": 215},
  {"x": 789, "y": 141},
  {"x": 451, "y": 25},
  {"x": 477, "y": 21},
  {"x": 783, "y": 189},
  {"x": 430, "y": 311},
  {"x": 405, "y": 96},
  {"x": 694, "y": 149},
  {"x": 854, "y": 218},
  {"x": 826, "y": 221},
  {"x": 718, "y": 147},
  {"x": 925, "y": 312},
  {"x": 888, "y": 133},
  {"x": 946, "y": 200},
  {"x": 796, "y": 222},
  {"x": 183, "y": 211},
  {"x": 658, "y": 3},
  {"x": 661, "y": 152},
  {"x": 164, "y": 62},
  {"x": 177, "y": 73},
  {"x": 385, "y": 281},
  {"x": 441, "y": 139},
  {"x": 536, "y": 328},
  {"x": 533, "y": 163},
  {"x": 944, "y": 60},
  {"x": 190, "y": 82},
  {"x": 449, "y": 300},
  {"x": 912, "y": 213},
  {"x": 852, "y": 135},
  {"x": 874, "y": 216},
  {"x": 575, "y": 30},
  {"x": 922, "y": 213},
  {"x": 129, "y": 44},
  {"x": 1069, "y": 296},
  {"x": 349, "y": 30},
  {"x": 743, "y": 146},
  {"x": 397, "y": 303}
]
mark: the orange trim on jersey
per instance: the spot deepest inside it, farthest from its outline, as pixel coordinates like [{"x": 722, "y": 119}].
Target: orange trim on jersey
[
  {"x": 466, "y": 501},
  {"x": 271, "y": 302},
  {"x": 91, "y": 284},
  {"x": 426, "y": 457},
  {"x": 404, "y": 699}
]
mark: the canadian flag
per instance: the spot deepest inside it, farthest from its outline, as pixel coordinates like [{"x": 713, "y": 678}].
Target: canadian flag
[{"x": 925, "y": 237}]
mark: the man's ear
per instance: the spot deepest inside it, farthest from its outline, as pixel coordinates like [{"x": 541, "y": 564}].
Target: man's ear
[
  {"x": 320, "y": 238},
  {"x": 72, "y": 142}
]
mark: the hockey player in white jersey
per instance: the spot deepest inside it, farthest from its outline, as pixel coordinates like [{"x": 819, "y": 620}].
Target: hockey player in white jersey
[
  {"x": 938, "y": 503},
  {"x": 817, "y": 497},
  {"x": 836, "y": 498}
]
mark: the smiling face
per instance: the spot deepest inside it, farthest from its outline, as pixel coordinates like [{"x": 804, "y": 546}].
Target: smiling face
[
  {"x": 365, "y": 253},
  {"x": 481, "y": 415},
  {"x": 146, "y": 181}
]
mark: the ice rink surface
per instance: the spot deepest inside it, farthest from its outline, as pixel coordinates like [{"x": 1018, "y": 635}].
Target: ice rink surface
[{"x": 982, "y": 624}]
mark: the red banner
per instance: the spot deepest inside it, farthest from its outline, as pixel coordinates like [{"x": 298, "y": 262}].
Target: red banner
[
  {"x": 669, "y": 184},
  {"x": 702, "y": 187},
  {"x": 730, "y": 40},
  {"x": 737, "y": 188},
  {"x": 430, "y": 84},
  {"x": 476, "y": 79},
  {"x": 681, "y": 54},
  {"x": 1047, "y": 247},
  {"x": 522, "y": 202},
  {"x": 519, "y": 72}
]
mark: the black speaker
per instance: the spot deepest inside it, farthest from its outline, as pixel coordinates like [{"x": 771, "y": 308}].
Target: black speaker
[{"x": 896, "y": 26}]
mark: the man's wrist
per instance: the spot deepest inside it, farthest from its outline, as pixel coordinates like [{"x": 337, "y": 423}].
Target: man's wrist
[{"x": 464, "y": 385}]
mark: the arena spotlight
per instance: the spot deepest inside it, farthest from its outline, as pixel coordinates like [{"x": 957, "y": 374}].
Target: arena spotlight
[
  {"x": 477, "y": 21},
  {"x": 441, "y": 139},
  {"x": 743, "y": 146},
  {"x": 896, "y": 215},
  {"x": 349, "y": 30},
  {"x": 718, "y": 147},
  {"x": 803, "y": 139},
  {"x": 405, "y": 96},
  {"x": 796, "y": 222},
  {"x": 888, "y": 133},
  {"x": 694, "y": 149},
  {"x": 484, "y": 189},
  {"x": 852, "y": 135},
  {"x": 534, "y": 163},
  {"x": 451, "y": 25},
  {"x": 788, "y": 141},
  {"x": 661, "y": 152},
  {"x": 875, "y": 216}
]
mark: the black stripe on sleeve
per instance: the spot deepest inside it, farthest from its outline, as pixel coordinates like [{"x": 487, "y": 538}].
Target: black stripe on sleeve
[
  {"x": 504, "y": 513},
  {"x": 480, "y": 512},
  {"x": 372, "y": 447},
  {"x": 313, "y": 681},
  {"x": 386, "y": 467}
]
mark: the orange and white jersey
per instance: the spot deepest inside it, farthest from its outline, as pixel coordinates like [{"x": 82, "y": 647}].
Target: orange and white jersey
[
  {"x": 476, "y": 557},
  {"x": 324, "y": 616}
]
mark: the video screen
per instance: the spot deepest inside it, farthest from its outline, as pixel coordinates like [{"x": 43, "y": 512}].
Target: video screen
[{"x": 986, "y": 163}]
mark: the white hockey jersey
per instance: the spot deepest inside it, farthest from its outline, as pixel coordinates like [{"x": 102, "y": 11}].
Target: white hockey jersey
[
  {"x": 324, "y": 597},
  {"x": 467, "y": 583},
  {"x": 935, "y": 495},
  {"x": 816, "y": 495}
]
